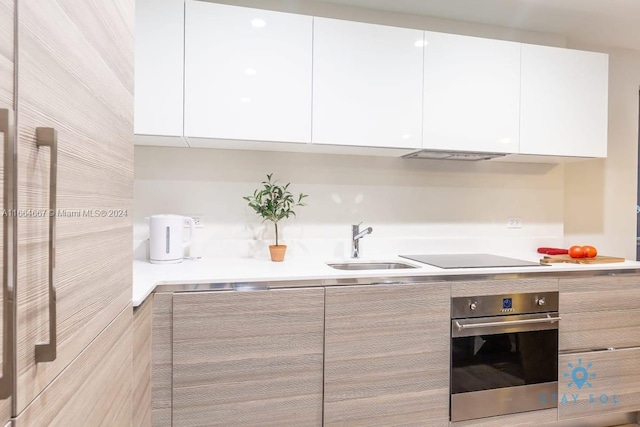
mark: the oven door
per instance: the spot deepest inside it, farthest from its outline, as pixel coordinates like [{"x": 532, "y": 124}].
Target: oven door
[{"x": 503, "y": 365}]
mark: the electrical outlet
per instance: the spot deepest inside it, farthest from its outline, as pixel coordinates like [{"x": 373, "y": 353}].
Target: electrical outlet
[
  {"x": 514, "y": 223},
  {"x": 197, "y": 219}
]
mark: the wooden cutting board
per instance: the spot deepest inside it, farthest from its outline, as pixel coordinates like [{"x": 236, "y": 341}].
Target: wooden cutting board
[{"x": 550, "y": 259}]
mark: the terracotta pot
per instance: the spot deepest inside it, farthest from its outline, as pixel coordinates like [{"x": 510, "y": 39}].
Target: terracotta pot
[{"x": 277, "y": 252}]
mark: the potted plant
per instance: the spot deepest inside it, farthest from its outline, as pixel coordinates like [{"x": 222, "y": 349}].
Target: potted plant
[{"x": 274, "y": 203}]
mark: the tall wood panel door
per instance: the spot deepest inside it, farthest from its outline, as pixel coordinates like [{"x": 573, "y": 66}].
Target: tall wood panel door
[
  {"x": 7, "y": 8},
  {"x": 75, "y": 75},
  {"x": 387, "y": 356},
  {"x": 95, "y": 390}
]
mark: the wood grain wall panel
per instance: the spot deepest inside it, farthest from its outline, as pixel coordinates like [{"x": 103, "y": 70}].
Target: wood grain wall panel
[
  {"x": 608, "y": 374},
  {"x": 503, "y": 286},
  {"x": 6, "y": 53},
  {"x": 6, "y": 102},
  {"x": 161, "y": 359},
  {"x": 76, "y": 76},
  {"x": 95, "y": 389},
  {"x": 599, "y": 329},
  {"x": 387, "y": 355},
  {"x": 588, "y": 294},
  {"x": 248, "y": 358},
  {"x": 142, "y": 325}
]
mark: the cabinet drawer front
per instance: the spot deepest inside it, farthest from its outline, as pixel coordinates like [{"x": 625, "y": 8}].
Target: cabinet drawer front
[
  {"x": 387, "y": 355},
  {"x": 248, "y": 358},
  {"x": 598, "y": 382},
  {"x": 599, "y": 330},
  {"x": 588, "y": 294}
]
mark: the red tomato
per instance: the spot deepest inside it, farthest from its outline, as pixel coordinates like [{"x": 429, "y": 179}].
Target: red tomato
[
  {"x": 589, "y": 251},
  {"x": 576, "y": 252}
]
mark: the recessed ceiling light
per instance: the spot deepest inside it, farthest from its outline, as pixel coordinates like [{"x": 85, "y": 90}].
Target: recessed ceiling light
[
  {"x": 421, "y": 43},
  {"x": 250, "y": 72},
  {"x": 245, "y": 100},
  {"x": 258, "y": 23},
  {"x": 406, "y": 136}
]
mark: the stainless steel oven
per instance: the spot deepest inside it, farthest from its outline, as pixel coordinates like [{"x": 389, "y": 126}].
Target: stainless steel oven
[{"x": 504, "y": 354}]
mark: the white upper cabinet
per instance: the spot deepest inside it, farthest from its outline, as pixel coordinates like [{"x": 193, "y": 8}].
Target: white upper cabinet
[
  {"x": 471, "y": 93},
  {"x": 564, "y": 102},
  {"x": 247, "y": 73},
  {"x": 367, "y": 84},
  {"x": 159, "y": 41}
]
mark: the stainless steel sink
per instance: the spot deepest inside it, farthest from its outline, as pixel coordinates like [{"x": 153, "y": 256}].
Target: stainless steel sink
[{"x": 371, "y": 266}]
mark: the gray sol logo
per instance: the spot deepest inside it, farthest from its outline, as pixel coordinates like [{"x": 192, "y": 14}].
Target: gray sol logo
[{"x": 579, "y": 376}]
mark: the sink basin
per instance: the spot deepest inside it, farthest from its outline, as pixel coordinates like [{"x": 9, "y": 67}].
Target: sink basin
[{"x": 371, "y": 266}]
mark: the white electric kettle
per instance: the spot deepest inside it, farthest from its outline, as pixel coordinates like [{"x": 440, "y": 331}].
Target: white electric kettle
[{"x": 166, "y": 240}]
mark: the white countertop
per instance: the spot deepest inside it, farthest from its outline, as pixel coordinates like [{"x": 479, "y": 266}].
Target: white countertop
[{"x": 147, "y": 276}]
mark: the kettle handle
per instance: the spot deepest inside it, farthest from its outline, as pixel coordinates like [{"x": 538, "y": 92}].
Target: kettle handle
[{"x": 192, "y": 231}]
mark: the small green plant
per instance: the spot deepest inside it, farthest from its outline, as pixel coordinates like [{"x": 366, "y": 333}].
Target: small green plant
[{"x": 274, "y": 202}]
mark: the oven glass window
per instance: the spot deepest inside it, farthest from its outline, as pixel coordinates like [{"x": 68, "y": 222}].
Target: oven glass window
[{"x": 485, "y": 362}]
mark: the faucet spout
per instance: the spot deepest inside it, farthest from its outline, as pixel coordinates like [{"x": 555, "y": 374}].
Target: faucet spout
[
  {"x": 363, "y": 233},
  {"x": 356, "y": 235}
]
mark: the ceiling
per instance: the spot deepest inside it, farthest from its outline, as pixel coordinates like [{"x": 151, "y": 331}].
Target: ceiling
[{"x": 598, "y": 22}]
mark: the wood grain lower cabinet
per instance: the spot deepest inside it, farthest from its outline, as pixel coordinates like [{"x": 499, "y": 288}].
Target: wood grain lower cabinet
[
  {"x": 142, "y": 324},
  {"x": 387, "y": 355},
  {"x": 161, "y": 359},
  {"x": 248, "y": 358},
  {"x": 95, "y": 389},
  {"x": 598, "y": 382},
  {"x": 599, "y": 313}
]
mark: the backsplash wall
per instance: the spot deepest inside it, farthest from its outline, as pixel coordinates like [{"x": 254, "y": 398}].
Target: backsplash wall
[{"x": 412, "y": 205}]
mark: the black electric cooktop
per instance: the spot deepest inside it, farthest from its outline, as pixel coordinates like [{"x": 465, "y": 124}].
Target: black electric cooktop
[{"x": 470, "y": 261}]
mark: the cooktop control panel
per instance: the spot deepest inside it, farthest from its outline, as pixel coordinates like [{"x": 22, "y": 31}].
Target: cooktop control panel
[{"x": 496, "y": 305}]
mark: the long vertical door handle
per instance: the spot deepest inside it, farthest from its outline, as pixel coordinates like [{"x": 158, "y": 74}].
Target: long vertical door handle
[
  {"x": 9, "y": 223},
  {"x": 48, "y": 137}
]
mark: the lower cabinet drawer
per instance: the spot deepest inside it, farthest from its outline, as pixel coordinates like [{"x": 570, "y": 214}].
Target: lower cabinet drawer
[
  {"x": 599, "y": 330},
  {"x": 598, "y": 382}
]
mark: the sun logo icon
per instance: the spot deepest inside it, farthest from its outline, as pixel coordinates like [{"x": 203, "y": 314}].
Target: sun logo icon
[{"x": 579, "y": 374}]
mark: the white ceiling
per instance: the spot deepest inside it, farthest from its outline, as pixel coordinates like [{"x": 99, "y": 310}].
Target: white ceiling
[{"x": 600, "y": 22}]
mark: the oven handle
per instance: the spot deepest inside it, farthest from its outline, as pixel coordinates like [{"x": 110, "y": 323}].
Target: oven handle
[{"x": 547, "y": 319}]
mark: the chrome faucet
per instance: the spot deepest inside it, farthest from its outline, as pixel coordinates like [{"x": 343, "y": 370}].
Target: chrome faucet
[{"x": 356, "y": 235}]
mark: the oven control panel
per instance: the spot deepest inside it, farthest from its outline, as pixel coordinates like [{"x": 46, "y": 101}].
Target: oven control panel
[{"x": 496, "y": 305}]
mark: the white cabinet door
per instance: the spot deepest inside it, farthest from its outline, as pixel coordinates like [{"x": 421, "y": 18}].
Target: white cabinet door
[
  {"x": 247, "y": 73},
  {"x": 471, "y": 93},
  {"x": 159, "y": 52},
  {"x": 367, "y": 84},
  {"x": 564, "y": 102}
]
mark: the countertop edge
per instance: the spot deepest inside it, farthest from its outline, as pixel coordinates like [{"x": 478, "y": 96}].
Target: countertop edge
[{"x": 146, "y": 283}]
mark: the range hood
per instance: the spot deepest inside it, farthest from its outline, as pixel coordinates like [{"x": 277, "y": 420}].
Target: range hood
[{"x": 469, "y": 156}]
